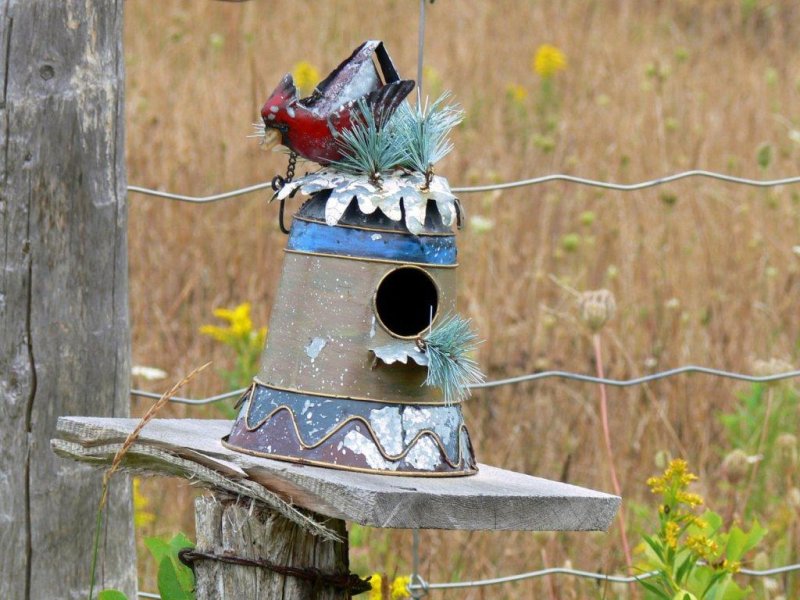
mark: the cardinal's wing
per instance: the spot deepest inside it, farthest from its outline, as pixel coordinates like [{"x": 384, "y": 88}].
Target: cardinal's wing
[
  {"x": 384, "y": 102},
  {"x": 355, "y": 77}
]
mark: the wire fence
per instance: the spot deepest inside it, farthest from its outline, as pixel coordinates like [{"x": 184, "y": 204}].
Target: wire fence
[
  {"x": 608, "y": 185},
  {"x": 423, "y": 586},
  {"x": 537, "y": 376},
  {"x": 419, "y": 587}
]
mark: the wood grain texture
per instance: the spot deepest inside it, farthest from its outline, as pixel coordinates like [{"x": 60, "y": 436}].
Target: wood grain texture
[
  {"x": 247, "y": 529},
  {"x": 492, "y": 499},
  {"x": 64, "y": 346}
]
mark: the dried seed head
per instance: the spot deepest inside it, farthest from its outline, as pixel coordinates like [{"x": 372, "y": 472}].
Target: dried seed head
[
  {"x": 793, "y": 498},
  {"x": 735, "y": 466},
  {"x": 773, "y": 366},
  {"x": 761, "y": 561},
  {"x": 597, "y": 307},
  {"x": 786, "y": 445}
]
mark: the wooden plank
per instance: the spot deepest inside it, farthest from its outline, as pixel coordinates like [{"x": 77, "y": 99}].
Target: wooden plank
[
  {"x": 492, "y": 499},
  {"x": 64, "y": 345},
  {"x": 246, "y": 529}
]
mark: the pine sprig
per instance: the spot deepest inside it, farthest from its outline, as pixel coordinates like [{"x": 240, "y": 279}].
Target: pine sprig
[
  {"x": 450, "y": 367},
  {"x": 414, "y": 138},
  {"x": 423, "y": 131},
  {"x": 369, "y": 147}
]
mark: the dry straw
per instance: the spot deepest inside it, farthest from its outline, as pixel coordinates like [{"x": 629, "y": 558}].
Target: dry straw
[{"x": 115, "y": 464}]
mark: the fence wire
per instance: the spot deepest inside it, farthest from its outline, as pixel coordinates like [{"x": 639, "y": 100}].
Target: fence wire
[
  {"x": 536, "y": 376},
  {"x": 424, "y": 587},
  {"x": 609, "y": 185},
  {"x": 420, "y": 587}
]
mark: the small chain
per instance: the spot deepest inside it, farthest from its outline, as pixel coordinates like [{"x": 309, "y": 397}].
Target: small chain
[
  {"x": 278, "y": 182},
  {"x": 290, "y": 168}
]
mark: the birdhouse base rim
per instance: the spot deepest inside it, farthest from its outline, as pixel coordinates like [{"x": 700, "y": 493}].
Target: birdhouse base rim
[{"x": 315, "y": 463}]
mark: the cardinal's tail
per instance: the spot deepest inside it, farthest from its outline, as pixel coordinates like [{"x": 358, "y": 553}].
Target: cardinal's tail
[{"x": 384, "y": 102}]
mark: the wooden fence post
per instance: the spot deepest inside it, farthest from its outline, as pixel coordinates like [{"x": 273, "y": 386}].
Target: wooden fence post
[
  {"x": 64, "y": 338},
  {"x": 248, "y": 529}
]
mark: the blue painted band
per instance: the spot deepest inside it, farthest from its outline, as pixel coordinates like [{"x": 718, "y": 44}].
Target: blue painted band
[{"x": 308, "y": 236}]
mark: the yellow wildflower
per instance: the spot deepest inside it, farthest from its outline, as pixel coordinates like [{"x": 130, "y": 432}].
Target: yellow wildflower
[
  {"x": 400, "y": 588},
  {"x": 656, "y": 485},
  {"x": 697, "y": 521},
  {"x": 702, "y": 546},
  {"x": 376, "y": 593},
  {"x": 671, "y": 533},
  {"x": 732, "y": 566},
  {"x": 548, "y": 60},
  {"x": 240, "y": 326},
  {"x": 305, "y": 77},
  {"x": 689, "y": 498},
  {"x": 516, "y": 93},
  {"x": 141, "y": 516}
]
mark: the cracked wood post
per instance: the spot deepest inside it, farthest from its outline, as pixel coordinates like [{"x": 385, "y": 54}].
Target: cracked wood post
[
  {"x": 248, "y": 529},
  {"x": 64, "y": 339}
]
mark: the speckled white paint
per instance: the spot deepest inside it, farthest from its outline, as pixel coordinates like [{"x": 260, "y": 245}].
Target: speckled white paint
[
  {"x": 388, "y": 426},
  {"x": 442, "y": 421},
  {"x": 315, "y": 347},
  {"x": 360, "y": 444},
  {"x": 424, "y": 455}
]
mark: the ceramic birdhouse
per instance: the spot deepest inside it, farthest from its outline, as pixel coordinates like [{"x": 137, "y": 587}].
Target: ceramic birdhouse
[{"x": 366, "y": 360}]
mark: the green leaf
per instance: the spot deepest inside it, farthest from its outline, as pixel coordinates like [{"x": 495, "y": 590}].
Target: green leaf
[
  {"x": 736, "y": 544},
  {"x": 717, "y": 577},
  {"x": 714, "y": 521},
  {"x": 158, "y": 548},
  {"x": 653, "y": 589},
  {"x": 111, "y": 595},
  {"x": 184, "y": 574},
  {"x": 168, "y": 584},
  {"x": 755, "y": 535},
  {"x": 764, "y": 155},
  {"x": 685, "y": 567},
  {"x": 656, "y": 547},
  {"x": 179, "y": 542}
]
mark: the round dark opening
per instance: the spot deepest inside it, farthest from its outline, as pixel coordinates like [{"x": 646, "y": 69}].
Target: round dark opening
[{"x": 406, "y": 301}]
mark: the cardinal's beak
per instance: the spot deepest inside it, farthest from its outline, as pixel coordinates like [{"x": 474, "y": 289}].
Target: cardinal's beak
[{"x": 272, "y": 137}]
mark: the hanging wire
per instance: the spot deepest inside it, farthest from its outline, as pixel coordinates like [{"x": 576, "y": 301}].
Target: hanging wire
[
  {"x": 420, "y": 50},
  {"x": 542, "y": 375},
  {"x": 609, "y": 185}
]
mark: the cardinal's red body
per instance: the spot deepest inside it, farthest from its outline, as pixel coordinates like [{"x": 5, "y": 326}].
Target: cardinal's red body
[{"x": 310, "y": 126}]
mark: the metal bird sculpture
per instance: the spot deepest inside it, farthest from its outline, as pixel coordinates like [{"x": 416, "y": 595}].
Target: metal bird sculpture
[{"x": 310, "y": 126}]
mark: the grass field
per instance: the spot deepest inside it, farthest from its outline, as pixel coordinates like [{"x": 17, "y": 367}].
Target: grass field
[{"x": 703, "y": 272}]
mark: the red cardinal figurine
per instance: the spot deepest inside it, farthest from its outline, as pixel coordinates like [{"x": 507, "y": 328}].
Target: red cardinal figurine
[{"x": 309, "y": 126}]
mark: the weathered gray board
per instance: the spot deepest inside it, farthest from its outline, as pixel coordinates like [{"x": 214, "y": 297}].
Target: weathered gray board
[
  {"x": 64, "y": 341},
  {"x": 494, "y": 499}
]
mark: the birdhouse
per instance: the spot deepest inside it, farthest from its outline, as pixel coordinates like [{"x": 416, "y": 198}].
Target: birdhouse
[
  {"x": 341, "y": 382},
  {"x": 366, "y": 359}
]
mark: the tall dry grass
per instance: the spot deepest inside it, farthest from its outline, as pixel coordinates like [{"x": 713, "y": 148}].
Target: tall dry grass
[{"x": 703, "y": 272}]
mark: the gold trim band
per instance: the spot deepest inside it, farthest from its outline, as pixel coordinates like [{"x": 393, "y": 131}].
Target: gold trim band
[
  {"x": 375, "y": 260},
  {"x": 357, "y": 398},
  {"x": 317, "y": 463},
  {"x": 426, "y": 234},
  {"x": 375, "y": 439}
]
